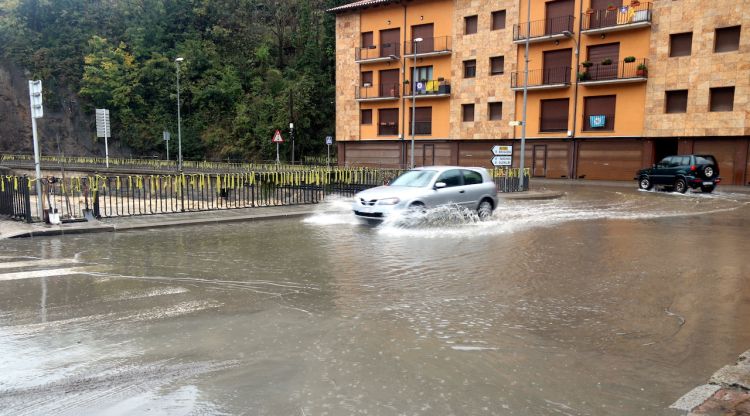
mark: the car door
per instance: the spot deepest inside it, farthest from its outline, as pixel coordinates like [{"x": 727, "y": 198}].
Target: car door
[
  {"x": 659, "y": 172},
  {"x": 474, "y": 188},
  {"x": 453, "y": 193}
]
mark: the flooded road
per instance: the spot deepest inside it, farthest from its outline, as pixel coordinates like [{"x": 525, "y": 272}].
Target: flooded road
[{"x": 608, "y": 301}]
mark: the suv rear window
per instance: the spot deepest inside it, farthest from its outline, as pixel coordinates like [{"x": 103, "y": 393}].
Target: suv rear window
[
  {"x": 705, "y": 160},
  {"x": 472, "y": 177}
]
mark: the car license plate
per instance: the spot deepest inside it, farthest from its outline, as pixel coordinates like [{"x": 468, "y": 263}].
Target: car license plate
[{"x": 708, "y": 183}]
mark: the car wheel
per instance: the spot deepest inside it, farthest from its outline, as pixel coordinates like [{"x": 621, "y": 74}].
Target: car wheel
[
  {"x": 645, "y": 183},
  {"x": 416, "y": 208},
  {"x": 680, "y": 186},
  {"x": 707, "y": 189},
  {"x": 709, "y": 171},
  {"x": 484, "y": 211}
]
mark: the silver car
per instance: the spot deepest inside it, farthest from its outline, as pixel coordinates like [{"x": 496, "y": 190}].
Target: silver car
[{"x": 429, "y": 187}]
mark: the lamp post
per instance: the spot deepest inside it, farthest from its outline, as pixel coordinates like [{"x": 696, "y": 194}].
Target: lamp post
[
  {"x": 572, "y": 168},
  {"x": 179, "y": 118},
  {"x": 291, "y": 133},
  {"x": 525, "y": 95},
  {"x": 414, "y": 100}
]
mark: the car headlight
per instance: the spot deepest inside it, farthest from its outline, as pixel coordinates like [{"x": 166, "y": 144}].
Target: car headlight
[{"x": 388, "y": 201}]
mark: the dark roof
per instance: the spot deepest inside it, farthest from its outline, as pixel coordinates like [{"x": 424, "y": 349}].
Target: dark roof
[{"x": 361, "y": 4}]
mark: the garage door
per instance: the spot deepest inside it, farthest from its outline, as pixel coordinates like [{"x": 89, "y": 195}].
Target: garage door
[
  {"x": 723, "y": 151},
  {"x": 610, "y": 160},
  {"x": 376, "y": 154}
]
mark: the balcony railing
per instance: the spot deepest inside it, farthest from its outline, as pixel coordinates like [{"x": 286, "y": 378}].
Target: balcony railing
[
  {"x": 387, "y": 128},
  {"x": 423, "y": 128},
  {"x": 626, "y": 17},
  {"x": 541, "y": 30},
  {"x": 615, "y": 72},
  {"x": 542, "y": 78},
  {"x": 598, "y": 122},
  {"x": 429, "y": 46},
  {"x": 376, "y": 53},
  {"x": 431, "y": 88},
  {"x": 377, "y": 92}
]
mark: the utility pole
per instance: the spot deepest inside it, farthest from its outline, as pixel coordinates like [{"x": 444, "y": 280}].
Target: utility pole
[
  {"x": 521, "y": 178},
  {"x": 37, "y": 111},
  {"x": 415, "y": 42},
  {"x": 291, "y": 123},
  {"x": 179, "y": 119}
]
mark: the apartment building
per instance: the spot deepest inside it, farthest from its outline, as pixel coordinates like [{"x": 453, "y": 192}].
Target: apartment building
[{"x": 612, "y": 85}]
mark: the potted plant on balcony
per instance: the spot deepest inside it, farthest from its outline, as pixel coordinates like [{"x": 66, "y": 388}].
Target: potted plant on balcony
[
  {"x": 587, "y": 64},
  {"x": 641, "y": 70},
  {"x": 629, "y": 59},
  {"x": 611, "y": 7},
  {"x": 635, "y": 3},
  {"x": 584, "y": 76},
  {"x": 607, "y": 62},
  {"x": 589, "y": 11}
]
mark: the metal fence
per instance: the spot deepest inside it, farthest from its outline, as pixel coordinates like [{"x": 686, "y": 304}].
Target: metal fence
[{"x": 97, "y": 196}]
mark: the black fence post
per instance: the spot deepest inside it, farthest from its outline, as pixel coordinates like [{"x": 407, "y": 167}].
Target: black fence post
[{"x": 26, "y": 199}]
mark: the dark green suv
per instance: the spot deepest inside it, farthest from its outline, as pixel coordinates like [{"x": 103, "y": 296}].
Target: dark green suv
[{"x": 681, "y": 172}]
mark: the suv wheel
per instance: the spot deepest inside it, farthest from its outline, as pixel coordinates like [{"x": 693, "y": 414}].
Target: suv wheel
[
  {"x": 484, "y": 211},
  {"x": 680, "y": 186},
  {"x": 707, "y": 189},
  {"x": 645, "y": 183},
  {"x": 709, "y": 171}
]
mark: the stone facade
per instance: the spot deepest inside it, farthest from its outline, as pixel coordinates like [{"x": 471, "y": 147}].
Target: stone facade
[
  {"x": 347, "y": 76},
  {"x": 484, "y": 88},
  {"x": 697, "y": 73}
]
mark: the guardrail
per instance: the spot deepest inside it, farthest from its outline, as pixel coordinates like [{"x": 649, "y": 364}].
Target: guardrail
[{"x": 98, "y": 196}]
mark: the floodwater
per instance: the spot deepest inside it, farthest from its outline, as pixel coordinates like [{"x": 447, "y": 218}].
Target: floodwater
[{"x": 608, "y": 301}]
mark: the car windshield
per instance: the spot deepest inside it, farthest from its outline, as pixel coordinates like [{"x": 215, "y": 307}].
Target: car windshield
[{"x": 415, "y": 178}]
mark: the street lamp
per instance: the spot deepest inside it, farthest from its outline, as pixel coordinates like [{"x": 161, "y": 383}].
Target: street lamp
[
  {"x": 179, "y": 119},
  {"x": 521, "y": 178},
  {"x": 414, "y": 100},
  {"x": 572, "y": 168},
  {"x": 291, "y": 133}
]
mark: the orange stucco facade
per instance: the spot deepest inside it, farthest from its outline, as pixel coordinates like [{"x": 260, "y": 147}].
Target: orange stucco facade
[{"x": 600, "y": 75}]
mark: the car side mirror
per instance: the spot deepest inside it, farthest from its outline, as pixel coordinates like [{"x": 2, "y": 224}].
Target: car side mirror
[{"x": 440, "y": 185}]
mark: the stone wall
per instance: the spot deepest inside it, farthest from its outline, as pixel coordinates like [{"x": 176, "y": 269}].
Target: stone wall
[
  {"x": 484, "y": 88},
  {"x": 700, "y": 71},
  {"x": 347, "y": 77}
]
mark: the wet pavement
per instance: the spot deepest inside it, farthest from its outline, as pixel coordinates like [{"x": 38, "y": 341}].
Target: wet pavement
[{"x": 607, "y": 301}]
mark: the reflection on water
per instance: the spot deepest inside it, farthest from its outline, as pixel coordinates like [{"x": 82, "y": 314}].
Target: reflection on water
[{"x": 606, "y": 301}]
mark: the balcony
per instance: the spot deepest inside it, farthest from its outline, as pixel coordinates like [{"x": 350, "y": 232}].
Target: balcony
[
  {"x": 635, "y": 16},
  {"x": 371, "y": 54},
  {"x": 439, "y": 46},
  {"x": 542, "y": 79},
  {"x": 383, "y": 92},
  {"x": 543, "y": 30},
  {"x": 428, "y": 89},
  {"x": 591, "y": 75},
  {"x": 421, "y": 128}
]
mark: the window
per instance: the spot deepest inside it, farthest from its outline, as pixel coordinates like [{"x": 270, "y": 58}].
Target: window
[
  {"x": 366, "y": 117},
  {"x": 497, "y": 65},
  {"x": 554, "y": 116},
  {"x": 722, "y": 99},
  {"x": 470, "y": 25},
  {"x": 680, "y": 44},
  {"x": 367, "y": 79},
  {"x": 367, "y": 40},
  {"x": 676, "y": 101},
  {"x": 498, "y": 20},
  {"x": 472, "y": 177},
  {"x": 388, "y": 121},
  {"x": 727, "y": 39},
  {"x": 599, "y": 113},
  {"x": 467, "y": 111},
  {"x": 495, "y": 111},
  {"x": 424, "y": 73},
  {"x": 470, "y": 68},
  {"x": 423, "y": 121},
  {"x": 451, "y": 177}
]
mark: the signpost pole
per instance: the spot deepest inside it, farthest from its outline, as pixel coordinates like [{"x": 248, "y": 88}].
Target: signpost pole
[
  {"x": 277, "y": 152},
  {"x": 106, "y": 133},
  {"x": 37, "y": 111}
]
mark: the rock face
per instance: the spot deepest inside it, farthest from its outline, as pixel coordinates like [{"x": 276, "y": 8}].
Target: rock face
[{"x": 65, "y": 122}]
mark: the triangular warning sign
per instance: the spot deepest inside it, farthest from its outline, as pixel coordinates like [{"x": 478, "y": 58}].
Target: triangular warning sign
[{"x": 277, "y": 137}]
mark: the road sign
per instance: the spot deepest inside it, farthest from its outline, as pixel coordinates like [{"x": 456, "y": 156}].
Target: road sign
[
  {"x": 102, "y": 123},
  {"x": 277, "y": 137},
  {"x": 329, "y": 140},
  {"x": 35, "y": 93},
  {"x": 502, "y": 160},
  {"x": 166, "y": 135},
  {"x": 498, "y": 150}
]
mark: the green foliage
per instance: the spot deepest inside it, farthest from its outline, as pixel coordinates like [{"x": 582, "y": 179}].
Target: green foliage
[{"x": 251, "y": 67}]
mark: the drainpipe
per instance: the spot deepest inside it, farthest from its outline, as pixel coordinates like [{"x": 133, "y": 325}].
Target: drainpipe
[
  {"x": 403, "y": 100},
  {"x": 574, "y": 159}
]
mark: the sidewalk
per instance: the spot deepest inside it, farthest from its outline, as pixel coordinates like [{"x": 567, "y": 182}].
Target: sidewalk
[
  {"x": 17, "y": 229},
  {"x": 728, "y": 392}
]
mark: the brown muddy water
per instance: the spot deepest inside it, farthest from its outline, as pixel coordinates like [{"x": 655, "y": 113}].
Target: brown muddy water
[{"x": 608, "y": 301}]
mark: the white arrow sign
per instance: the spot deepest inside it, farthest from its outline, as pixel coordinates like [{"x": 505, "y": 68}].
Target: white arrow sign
[
  {"x": 502, "y": 160},
  {"x": 498, "y": 150}
]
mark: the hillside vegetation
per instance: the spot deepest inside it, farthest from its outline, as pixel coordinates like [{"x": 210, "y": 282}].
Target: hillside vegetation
[{"x": 251, "y": 66}]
